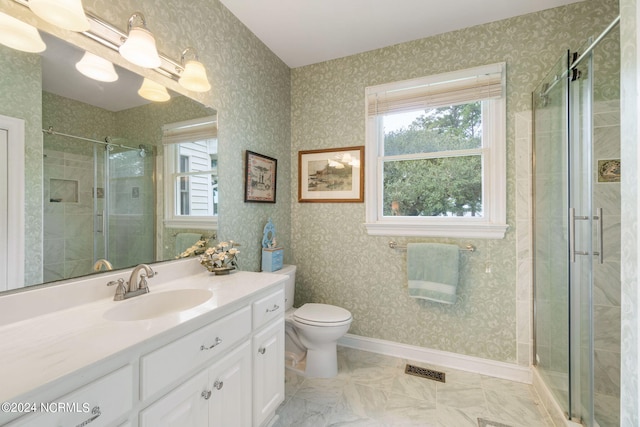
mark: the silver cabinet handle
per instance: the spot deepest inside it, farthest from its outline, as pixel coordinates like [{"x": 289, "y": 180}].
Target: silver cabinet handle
[
  {"x": 218, "y": 384},
  {"x": 216, "y": 343},
  {"x": 275, "y": 307},
  {"x": 262, "y": 350},
  {"x": 95, "y": 413},
  {"x": 206, "y": 394}
]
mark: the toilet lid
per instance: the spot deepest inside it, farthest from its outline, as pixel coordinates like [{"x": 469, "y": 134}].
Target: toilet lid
[{"x": 321, "y": 313}]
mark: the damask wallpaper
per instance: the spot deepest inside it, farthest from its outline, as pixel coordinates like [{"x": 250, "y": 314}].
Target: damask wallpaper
[
  {"x": 338, "y": 263},
  {"x": 21, "y": 98},
  {"x": 250, "y": 91}
]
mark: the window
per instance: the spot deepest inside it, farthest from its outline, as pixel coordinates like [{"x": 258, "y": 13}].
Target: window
[
  {"x": 436, "y": 155},
  {"x": 191, "y": 173}
]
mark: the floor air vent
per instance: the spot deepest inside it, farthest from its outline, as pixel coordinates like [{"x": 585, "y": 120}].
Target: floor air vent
[{"x": 424, "y": 373}]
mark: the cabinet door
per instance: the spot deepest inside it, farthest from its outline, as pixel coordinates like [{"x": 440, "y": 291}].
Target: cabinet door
[
  {"x": 185, "y": 406},
  {"x": 230, "y": 384},
  {"x": 268, "y": 368}
]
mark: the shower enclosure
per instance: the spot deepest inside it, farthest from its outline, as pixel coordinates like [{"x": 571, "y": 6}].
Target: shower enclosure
[
  {"x": 99, "y": 203},
  {"x": 577, "y": 231}
]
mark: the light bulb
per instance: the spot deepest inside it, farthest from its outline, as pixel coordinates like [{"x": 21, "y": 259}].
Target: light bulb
[
  {"x": 153, "y": 91},
  {"x": 19, "y": 35},
  {"x": 67, "y": 14},
  {"x": 97, "y": 68}
]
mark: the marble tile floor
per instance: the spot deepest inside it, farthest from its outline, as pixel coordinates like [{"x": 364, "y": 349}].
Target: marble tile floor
[{"x": 372, "y": 390}]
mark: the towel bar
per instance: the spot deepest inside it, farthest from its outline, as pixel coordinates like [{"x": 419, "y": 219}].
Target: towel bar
[{"x": 395, "y": 245}]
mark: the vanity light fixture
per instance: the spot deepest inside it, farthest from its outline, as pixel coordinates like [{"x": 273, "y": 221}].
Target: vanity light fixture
[
  {"x": 153, "y": 91},
  {"x": 19, "y": 35},
  {"x": 139, "y": 47},
  {"x": 97, "y": 68},
  {"x": 67, "y": 14},
  {"x": 194, "y": 75}
]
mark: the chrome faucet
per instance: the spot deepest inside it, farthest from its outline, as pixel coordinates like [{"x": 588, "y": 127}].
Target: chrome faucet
[
  {"x": 133, "y": 288},
  {"x": 102, "y": 263},
  {"x": 136, "y": 288}
]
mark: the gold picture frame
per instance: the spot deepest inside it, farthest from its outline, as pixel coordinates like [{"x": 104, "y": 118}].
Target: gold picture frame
[{"x": 332, "y": 175}]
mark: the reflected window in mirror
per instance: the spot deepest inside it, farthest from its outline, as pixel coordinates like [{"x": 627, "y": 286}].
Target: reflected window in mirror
[{"x": 191, "y": 173}]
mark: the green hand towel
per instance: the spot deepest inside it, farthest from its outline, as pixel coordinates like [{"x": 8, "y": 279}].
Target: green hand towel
[{"x": 432, "y": 270}]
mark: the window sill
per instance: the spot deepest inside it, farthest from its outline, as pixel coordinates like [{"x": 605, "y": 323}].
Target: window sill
[
  {"x": 209, "y": 223},
  {"x": 409, "y": 229}
]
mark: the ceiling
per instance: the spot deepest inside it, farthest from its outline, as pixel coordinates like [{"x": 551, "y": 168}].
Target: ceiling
[{"x": 303, "y": 32}]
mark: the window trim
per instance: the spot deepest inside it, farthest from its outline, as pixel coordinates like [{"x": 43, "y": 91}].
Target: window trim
[
  {"x": 493, "y": 224},
  {"x": 171, "y": 141}
]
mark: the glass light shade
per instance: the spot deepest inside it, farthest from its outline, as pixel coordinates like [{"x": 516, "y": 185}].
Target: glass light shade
[
  {"x": 19, "y": 35},
  {"x": 194, "y": 77},
  {"x": 97, "y": 68},
  {"x": 140, "y": 48},
  {"x": 67, "y": 14},
  {"x": 153, "y": 91}
]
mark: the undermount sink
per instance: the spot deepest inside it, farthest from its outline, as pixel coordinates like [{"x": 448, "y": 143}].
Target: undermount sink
[{"x": 158, "y": 304}]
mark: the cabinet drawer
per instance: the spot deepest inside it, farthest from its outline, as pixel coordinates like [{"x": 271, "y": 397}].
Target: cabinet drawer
[
  {"x": 268, "y": 308},
  {"x": 174, "y": 361},
  {"x": 102, "y": 401}
]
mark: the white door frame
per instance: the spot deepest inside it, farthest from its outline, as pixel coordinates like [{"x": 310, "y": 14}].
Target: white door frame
[{"x": 13, "y": 219}]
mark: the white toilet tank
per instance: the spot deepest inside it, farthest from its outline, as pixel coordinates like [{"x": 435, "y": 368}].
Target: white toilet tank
[{"x": 290, "y": 284}]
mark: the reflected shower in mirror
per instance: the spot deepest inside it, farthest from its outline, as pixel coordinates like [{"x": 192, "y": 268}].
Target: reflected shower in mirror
[{"x": 94, "y": 146}]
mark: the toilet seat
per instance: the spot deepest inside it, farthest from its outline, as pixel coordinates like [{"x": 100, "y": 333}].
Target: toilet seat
[{"x": 323, "y": 315}]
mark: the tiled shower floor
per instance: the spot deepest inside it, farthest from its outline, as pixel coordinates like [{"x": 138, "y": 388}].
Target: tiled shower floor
[{"x": 372, "y": 390}]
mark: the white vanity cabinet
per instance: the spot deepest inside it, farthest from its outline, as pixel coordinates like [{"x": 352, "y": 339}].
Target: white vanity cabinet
[
  {"x": 219, "y": 396},
  {"x": 268, "y": 357},
  {"x": 218, "y": 366},
  {"x": 242, "y": 383},
  {"x": 98, "y": 404}
]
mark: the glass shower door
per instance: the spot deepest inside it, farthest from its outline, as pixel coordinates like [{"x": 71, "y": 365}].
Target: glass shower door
[
  {"x": 551, "y": 232},
  {"x": 582, "y": 219}
]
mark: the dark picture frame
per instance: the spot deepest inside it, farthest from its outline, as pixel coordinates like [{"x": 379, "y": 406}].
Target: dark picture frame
[
  {"x": 260, "y": 178},
  {"x": 333, "y": 175}
]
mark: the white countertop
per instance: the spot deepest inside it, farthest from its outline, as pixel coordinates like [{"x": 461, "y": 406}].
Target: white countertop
[{"x": 38, "y": 350}]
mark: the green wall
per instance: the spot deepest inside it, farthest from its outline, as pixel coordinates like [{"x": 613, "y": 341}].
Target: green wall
[{"x": 339, "y": 263}]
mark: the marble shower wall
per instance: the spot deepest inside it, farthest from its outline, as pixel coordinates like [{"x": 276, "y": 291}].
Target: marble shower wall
[{"x": 339, "y": 263}]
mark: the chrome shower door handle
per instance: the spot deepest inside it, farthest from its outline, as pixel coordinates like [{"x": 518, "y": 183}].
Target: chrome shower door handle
[
  {"x": 600, "y": 219},
  {"x": 572, "y": 234}
]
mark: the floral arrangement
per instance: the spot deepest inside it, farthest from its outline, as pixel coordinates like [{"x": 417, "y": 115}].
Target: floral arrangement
[{"x": 223, "y": 256}]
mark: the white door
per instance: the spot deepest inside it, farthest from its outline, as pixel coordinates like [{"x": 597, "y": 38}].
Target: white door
[
  {"x": 268, "y": 368},
  {"x": 230, "y": 382},
  {"x": 11, "y": 203}
]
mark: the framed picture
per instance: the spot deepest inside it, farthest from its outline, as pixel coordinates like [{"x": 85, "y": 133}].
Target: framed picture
[
  {"x": 260, "y": 178},
  {"x": 334, "y": 175}
]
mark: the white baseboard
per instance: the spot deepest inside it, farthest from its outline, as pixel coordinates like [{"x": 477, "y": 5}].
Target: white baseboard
[{"x": 447, "y": 359}]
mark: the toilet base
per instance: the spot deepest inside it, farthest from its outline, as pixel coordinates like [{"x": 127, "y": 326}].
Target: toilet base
[{"x": 322, "y": 363}]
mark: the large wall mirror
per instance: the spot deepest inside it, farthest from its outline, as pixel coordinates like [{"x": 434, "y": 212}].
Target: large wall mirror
[{"x": 94, "y": 159}]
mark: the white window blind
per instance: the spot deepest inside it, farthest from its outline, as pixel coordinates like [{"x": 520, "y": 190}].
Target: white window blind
[
  {"x": 190, "y": 131},
  {"x": 474, "y": 84}
]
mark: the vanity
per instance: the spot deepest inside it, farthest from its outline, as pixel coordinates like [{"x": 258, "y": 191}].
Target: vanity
[{"x": 197, "y": 350}]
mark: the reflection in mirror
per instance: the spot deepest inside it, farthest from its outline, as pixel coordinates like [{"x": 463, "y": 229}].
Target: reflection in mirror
[{"x": 101, "y": 145}]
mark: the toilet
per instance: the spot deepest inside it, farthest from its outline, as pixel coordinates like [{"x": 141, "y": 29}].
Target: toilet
[{"x": 312, "y": 332}]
